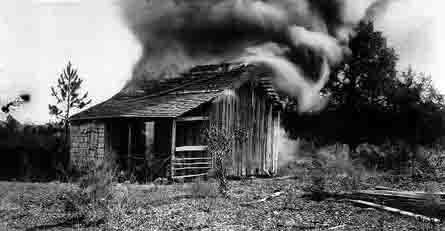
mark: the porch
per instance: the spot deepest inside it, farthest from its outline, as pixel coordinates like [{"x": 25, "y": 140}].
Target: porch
[{"x": 159, "y": 147}]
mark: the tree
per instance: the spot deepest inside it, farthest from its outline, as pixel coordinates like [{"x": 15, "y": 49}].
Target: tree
[
  {"x": 418, "y": 108},
  {"x": 68, "y": 97},
  {"x": 371, "y": 101},
  {"x": 359, "y": 86},
  {"x": 20, "y": 100},
  {"x": 363, "y": 78}
]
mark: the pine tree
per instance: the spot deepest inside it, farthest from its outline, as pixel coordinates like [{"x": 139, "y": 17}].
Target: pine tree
[{"x": 68, "y": 97}]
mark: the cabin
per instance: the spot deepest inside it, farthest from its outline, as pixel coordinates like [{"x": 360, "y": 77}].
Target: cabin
[{"x": 160, "y": 129}]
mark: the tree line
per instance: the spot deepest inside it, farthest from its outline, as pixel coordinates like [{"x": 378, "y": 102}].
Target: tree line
[
  {"x": 41, "y": 152},
  {"x": 372, "y": 102}
]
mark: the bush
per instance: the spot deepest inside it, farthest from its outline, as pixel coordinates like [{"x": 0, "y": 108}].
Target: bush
[
  {"x": 395, "y": 157},
  {"x": 95, "y": 198},
  {"x": 318, "y": 180},
  {"x": 98, "y": 180},
  {"x": 401, "y": 158},
  {"x": 428, "y": 163},
  {"x": 332, "y": 170},
  {"x": 75, "y": 200},
  {"x": 219, "y": 143},
  {"x": 199, "y": 188}
]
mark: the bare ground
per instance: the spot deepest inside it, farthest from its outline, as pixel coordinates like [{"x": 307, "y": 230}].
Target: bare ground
[{"x": 192, "y": 206}]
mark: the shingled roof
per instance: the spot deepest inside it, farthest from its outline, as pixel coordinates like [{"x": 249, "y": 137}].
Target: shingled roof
[{"x": 173, "y": 97}]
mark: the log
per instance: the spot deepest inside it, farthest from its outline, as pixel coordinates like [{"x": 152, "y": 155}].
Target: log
[
  {"x": 271, "y": 196},
  {"x": 427, "y": 204},
  {"x": 383, "y": 188},
  {"x": 337, "y": 227},
  {"x": 430, "y": 204},
  {"x": 394, "y": 210},
  {"x": 284, "y": 178},
  {"x": 189, "y": 176}
]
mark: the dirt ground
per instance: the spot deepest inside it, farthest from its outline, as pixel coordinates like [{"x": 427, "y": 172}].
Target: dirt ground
[{"x": 191, "y": 206}]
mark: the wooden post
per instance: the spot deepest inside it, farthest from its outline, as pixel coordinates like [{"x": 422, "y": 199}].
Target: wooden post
[
  {"x": 173, "y": 146},
  {"x": 129, "y": 147}
]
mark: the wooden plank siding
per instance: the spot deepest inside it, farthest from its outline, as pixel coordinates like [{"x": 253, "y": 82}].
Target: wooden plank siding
[{"x": 248, "y": 108}]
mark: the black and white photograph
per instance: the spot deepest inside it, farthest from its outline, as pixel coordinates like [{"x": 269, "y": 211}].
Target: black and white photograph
[{"x": 315, "y": 115}]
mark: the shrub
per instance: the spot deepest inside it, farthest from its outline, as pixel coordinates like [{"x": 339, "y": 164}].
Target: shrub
[
  {"x": 200, "y": 188},
  {"x": 98, "y": 180},
  {"x": 219, "y": 143},
  {"x": 401, "y": 158},
  {"x": 95, "y": 198},
  {"x": 428, "y": 163},
  {"x": 74, "y": 200},
  {"x": 395, "y": 157},
  {"x": 332, "y": 170}
]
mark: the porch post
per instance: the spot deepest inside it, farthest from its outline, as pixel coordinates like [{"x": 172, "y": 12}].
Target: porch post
[
  {"x": 173, "y": 146},
  {"x": 129, "y": 147}
]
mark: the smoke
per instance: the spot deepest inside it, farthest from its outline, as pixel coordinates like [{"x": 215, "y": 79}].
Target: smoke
[
  {"x": 288, "y": 149},
  {"x": 289, "y": 78},
  {"x": 300, "y": 40}
]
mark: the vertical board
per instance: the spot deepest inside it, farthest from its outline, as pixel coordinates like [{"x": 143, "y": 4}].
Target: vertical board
[
  {"x": 173, "y": 145},
  {"x": 248, "y": 109},
  {"x": 129, "y": 146},
  {"x": 269, "y": 139}
]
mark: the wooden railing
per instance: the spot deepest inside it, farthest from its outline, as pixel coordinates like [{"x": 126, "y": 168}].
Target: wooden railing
[
  {"x": 194, "y": 165},
  {"x": 151, "y": 167}
]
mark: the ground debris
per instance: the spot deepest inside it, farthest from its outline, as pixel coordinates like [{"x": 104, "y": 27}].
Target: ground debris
[
  {"x": 271, "y": 196},
  {"x": 394, "y": 210},
  {"x": 174, "y": 207}
]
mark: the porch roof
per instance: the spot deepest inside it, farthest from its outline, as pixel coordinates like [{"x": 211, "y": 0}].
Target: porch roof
[{"x": 173, "y": 97}]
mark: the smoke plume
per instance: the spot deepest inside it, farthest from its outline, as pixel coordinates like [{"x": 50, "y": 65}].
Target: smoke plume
[{"x": 300, "y": 40}]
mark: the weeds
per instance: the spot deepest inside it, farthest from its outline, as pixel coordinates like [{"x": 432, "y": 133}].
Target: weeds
[
  {"x": 89, "y": 201},
  {"x": 202, "y": 189},
  {"x": 432, "y": 201},
  {"x": 98, "y": 182},
  {"x": 332, "y": 170},
  {"x": 429, "y": 163}
]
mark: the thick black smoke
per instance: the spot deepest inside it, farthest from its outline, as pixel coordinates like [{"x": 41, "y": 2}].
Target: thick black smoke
[{"x": 286, "y": 35}]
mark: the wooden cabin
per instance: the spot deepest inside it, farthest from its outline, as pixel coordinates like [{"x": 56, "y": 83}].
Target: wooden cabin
[{"x": 162, "y": 128}]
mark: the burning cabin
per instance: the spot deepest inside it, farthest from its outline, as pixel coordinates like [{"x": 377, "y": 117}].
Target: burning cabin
[{"x": 162, "y": 129}]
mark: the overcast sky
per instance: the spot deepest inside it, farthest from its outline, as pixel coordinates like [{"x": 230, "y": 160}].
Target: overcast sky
[{"x": 38, "y": 37}]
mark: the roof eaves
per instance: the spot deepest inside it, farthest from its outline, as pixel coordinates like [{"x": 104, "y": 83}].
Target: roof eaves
[{"x": 77, "y": 118}]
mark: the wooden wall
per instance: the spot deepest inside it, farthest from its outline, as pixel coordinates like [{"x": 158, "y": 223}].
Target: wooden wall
[
  {"x": 87, "y": 142},
  {"x": 249, "y": 109}
]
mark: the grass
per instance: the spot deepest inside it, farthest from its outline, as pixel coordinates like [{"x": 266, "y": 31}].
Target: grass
[{"x": 191, "y": 206}]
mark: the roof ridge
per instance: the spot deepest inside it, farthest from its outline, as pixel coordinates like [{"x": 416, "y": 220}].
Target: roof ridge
[
  {"x": 167, "y": 91},
  {"x": 228, "y": 66}
]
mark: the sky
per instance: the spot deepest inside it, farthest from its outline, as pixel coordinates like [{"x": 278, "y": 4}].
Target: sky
[{"x": 39, "y": 37}]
